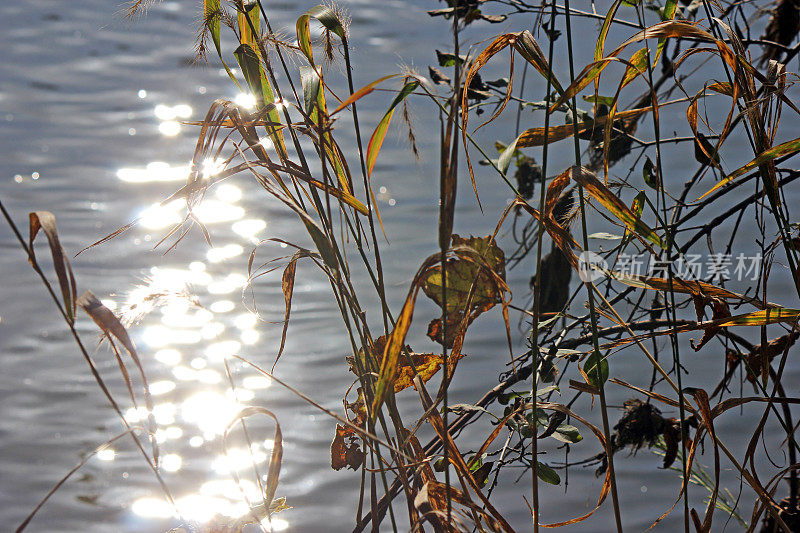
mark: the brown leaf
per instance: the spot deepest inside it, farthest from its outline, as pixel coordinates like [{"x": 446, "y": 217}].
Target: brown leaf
[
  {"x": 287, "y": 286},
  {"x": 112, "y": 328},
  {"x": 705, "y": 152},
  {"x": 761, "y": 357},
  {"x": 449, "y": 334},
  {"x": 721, "y": 310},
  {"x": 345, "y": 449},
  {"x": 46, "y": 221},
  {"x": 672, "y": 438},
  {"x": 554, "y": 190},
  {"x": 426, "y": 364}
]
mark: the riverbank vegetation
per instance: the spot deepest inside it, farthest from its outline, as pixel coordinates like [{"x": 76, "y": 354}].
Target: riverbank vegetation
[{"x": 661, "y": 248}]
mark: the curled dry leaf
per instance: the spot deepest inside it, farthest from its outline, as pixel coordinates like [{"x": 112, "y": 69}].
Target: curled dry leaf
[
  {"x": 721, "y": 311},
  {"x": 345, "y": 449},
  {"x": 424, "y": 365},
  {"x": 761, "y": 356},
  {"x": 346, "y": 446},
  {"x": 432, "y": 499},
  {"x": 112, "y": 329},
  {"x": 46, "y": 221},
  {"x": 474, "y": 284},
  {"x": 276, "y": 457},
  {"x": 704, "y": 151}
]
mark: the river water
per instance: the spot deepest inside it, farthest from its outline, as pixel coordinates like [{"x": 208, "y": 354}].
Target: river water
[{"x": 91, "y": 109}]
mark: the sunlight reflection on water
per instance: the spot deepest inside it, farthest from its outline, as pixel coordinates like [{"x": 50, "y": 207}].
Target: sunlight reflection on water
[{"x": 191, "y": 329}]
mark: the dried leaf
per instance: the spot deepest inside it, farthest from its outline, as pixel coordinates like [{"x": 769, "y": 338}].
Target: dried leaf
[
  {"x": 365, "y": 90},
  {"x": 761, "y": 356},
  {"x": 556, "y": 274},
  {"x": 474, "y": 284},
  {"x": 704, "y": 152},
  {"x": 789, "y": 147},
  {"x": 612, "y": 202},
  {"x": 391, "y": 353},
  {"x": 345, "y": 449},
  {"x": 287, "y": 287},
  {"x": 46, "y": 221},
  {"x": 276, "y": 457}
]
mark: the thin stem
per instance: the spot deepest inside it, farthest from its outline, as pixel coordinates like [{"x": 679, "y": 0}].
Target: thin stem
[{"x": 592, "y": 310}]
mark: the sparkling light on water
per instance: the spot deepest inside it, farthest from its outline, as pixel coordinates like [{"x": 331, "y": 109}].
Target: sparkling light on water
[
  {"x": 210, "y": 411},
  {"x": 169, "y": 128},
  {"x": 171, "y": 462},
  {"x": 191, "y": 323},
  {"x": 245, "y": 100},
  {"x": 106, "y": 454}
]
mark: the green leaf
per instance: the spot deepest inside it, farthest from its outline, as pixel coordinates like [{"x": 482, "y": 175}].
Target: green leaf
[
  {"x": 542, "y": 419},
  {"x": 601, "y": 39},
  {"x": 327, "y": 17},
  {"x": 567, "y": 433},
  {"x": 475, "y": 463},
  {"x": 546, "y": 390},
  {"x": 637, "y": 207},
  {"x": 670, "y": 8},
  {"x": 323, "y": 244},
  {"x": 211, "y": 11},
  {"x": 639, "y": 64},
  {"x": 447, "y": 59},
  {"x": 547, "y": 474},
  {"x": 591, "y": 367},
  {"x": 605, "y": 100},
  {"x": 309, "y": 80},
  {"x": 650, "y": 174},
  {"x": 379, "y": 135},
  {"x": 250, "y": 64}
]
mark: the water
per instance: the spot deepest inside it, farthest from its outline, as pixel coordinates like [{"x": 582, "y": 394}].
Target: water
[{"x": 91, "y": 109}]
